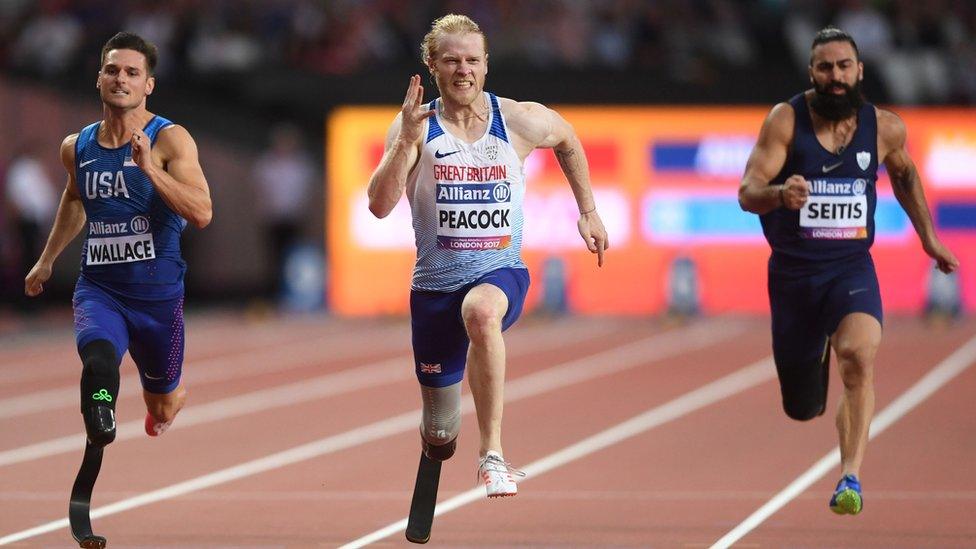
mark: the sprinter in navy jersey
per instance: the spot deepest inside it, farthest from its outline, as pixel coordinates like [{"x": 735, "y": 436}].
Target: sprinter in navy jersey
[
  {"x": 134, "y": 181},
  {"x": 811, "y": 177}
]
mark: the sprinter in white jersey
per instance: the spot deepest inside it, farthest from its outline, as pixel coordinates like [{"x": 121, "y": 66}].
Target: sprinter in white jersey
[{"x": 459, "y": 159}]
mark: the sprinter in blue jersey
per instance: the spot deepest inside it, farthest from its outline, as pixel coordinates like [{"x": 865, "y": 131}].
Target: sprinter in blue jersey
[
  {"x": 459, "y": 161},
  {"x": 134, "y": 180},
  {"x": 811, "y": 177}
]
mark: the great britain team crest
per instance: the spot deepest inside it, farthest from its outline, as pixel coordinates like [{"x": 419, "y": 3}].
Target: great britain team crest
[{"x": 491, "y": 151}]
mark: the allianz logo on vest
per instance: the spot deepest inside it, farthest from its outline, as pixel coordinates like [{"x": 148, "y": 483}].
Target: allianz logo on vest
[
  {"x": 105, "y": 185},
  {"x": 138, "y": 225}
]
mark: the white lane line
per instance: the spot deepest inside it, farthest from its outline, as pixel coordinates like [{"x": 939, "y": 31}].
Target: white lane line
[
  {"x": 264, "y": 496},
  {"x": 287, "y": 355},
  {"x": 233, "y": 365},
  {"x": 937, "y": 377},
  {"x": 722, "y": 388},
  {"x": 627, "y": 356},
  {"x": 375, "y": 374},
  {"x": 371, "y": 375},
  {"x": 203, "y": 341}
]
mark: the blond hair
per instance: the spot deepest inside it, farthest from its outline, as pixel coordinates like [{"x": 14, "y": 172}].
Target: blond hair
[{"x": 451, "y": 23}]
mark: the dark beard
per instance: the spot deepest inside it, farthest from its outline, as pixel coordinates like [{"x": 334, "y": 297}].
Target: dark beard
[{"x": 837, "y": 107}]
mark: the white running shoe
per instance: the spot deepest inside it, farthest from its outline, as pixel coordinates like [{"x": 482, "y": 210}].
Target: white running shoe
[{"x": 497, "y": 474}]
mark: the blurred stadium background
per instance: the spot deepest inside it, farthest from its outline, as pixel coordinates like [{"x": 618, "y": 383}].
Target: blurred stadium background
[{"x": 289, "y": 101}]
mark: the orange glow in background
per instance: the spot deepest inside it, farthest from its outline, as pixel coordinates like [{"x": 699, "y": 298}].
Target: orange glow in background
[{"x": 665, "y": 182}]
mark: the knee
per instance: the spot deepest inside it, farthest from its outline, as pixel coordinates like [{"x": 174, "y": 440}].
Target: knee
[
  {"x": 803, "y": 411},
  {"x": 855, "y": 365},
  {"x": 99, "y": 358},
  {"x": 803, "y": 386},
  {"x": 480, "y": 319}
]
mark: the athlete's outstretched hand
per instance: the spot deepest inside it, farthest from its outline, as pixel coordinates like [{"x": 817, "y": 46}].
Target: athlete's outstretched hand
[
  {"x": 594, "y": 234},
  {"x": 944, "y": 258},
  {"x": 795, "y": 192},
  {"x": 38, "y": 275},
  {"x": 141, "y": 149},
  {"x": 413, "y": 114}
]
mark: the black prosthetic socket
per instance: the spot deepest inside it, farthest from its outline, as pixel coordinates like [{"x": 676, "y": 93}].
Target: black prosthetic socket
[
  {"x": 442, "y": 452},
  {"x": 99, "y": 390}
]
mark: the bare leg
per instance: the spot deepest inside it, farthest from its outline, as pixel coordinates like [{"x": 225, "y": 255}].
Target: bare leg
[
  {"x": 482, "y": 310},
  {"x": 855, "y": 343}
]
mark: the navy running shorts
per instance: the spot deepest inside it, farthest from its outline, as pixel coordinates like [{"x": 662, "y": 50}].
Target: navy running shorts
[
  {"x": 806, "y": 310},
  {"x": 440, "y": 342}
]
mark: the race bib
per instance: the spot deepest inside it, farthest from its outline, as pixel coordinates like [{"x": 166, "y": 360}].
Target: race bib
[
  {"x": 119, "y": 242},
  {"x": 837, "y": 209},
  {"x": 120, "y": 249},
  {"x": 474, "y": 216}
]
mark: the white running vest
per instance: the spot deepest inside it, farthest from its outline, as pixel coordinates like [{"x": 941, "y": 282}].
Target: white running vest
[{"x": 466, "y": 201}]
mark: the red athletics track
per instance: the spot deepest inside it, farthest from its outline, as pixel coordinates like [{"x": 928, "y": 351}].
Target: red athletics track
[{"x": 693, "y": 466}]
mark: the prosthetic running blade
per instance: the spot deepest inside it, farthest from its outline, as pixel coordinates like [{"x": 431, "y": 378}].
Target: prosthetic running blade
[
  {"x": 79, "y": 508},
  {"x": 424, "y": 500}
]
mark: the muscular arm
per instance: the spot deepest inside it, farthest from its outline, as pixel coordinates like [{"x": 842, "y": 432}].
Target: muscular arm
[
  {"x": 542, "y": 127},
  {"x": 402, "y": 151},
  {"x": 907, "y": 186},
  {"x": 178, "y": 177},
  {"x": 67, "y": 223},
  {"x": 390, "y": 177},
  {"x": 756, "y": 195},
  {"x": 561, "y": 138}
]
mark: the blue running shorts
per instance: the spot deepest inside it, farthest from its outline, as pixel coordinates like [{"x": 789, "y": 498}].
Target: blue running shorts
[
  {"x": 152, "y": 331},
  {"x": 440, "y": 342}
]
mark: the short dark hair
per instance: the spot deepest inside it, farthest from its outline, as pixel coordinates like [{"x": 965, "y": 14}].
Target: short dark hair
[
  {"x": 833, "y": 34},
  {"x": 131, "y": 41}
]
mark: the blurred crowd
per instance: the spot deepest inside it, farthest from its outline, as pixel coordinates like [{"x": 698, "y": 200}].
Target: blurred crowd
[
  {"x": 924, "y": 52},
  {"x": 29, "y": 198},
  {"x": 218, "y": 56}
]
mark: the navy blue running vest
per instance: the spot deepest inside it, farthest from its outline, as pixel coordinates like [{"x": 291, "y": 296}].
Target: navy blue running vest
[
  {"x": 838, "y": 220},
  {"x": 133, "y": 239}
]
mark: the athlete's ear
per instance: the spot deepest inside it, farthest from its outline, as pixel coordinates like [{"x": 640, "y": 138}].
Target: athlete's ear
[
  {"x": 150, "y": 85},
  {"x": 860, "y": 71}
]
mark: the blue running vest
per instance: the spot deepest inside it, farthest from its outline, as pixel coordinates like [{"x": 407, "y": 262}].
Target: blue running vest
[{"x": 133, "y": 241}]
